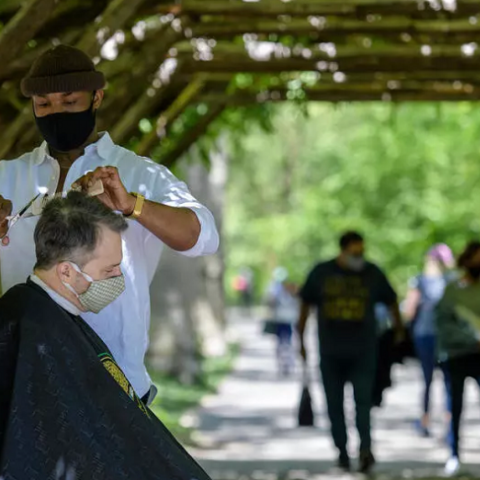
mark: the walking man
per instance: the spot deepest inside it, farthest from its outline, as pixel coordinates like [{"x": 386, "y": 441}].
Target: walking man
[
  {"x": 66, "y": 92},
  {"x": 344, "y": 291}
]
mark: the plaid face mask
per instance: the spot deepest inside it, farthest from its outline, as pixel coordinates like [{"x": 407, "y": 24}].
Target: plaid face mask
[{"x": 100, "y": 293}]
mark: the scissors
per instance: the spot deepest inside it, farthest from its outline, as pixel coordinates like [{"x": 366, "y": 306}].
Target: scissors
[{"x": 12, "y": 220}]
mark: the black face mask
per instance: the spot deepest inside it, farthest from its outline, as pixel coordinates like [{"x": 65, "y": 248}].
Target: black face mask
[
  {"x": 474, "y": 271},
  {"x": 65, "y": 132}
]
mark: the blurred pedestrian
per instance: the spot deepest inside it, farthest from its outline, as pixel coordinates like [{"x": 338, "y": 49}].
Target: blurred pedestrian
[
  {"x": 243, "y": 286},
  {"x": 283, "y": 300},
  {"x": 458, "y": 322},
  {"x": 345, "y": 291},
  {"x": 424, "y": 293}
]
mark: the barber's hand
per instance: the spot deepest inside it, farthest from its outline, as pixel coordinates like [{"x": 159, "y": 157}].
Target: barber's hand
[
  {"x": 5, "y": 211},
  {"x": 115, "y": 195}
]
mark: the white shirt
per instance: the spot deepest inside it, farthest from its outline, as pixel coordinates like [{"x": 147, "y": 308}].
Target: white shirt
[
  {"x": 56, "y": 297},
  {"x": 123, "y": 325}
]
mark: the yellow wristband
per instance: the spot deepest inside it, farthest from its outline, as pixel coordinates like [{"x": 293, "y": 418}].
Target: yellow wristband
[{"x": 137, "y": 210}]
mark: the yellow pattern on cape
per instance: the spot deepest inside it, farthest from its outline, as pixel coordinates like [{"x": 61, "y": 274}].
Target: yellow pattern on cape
[{"x": 117, "y": 374}]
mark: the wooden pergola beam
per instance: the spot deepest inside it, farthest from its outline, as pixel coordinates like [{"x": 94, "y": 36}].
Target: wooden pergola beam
[
  {"x": 305, "y": 8},
  {"x": 371, "y": 65},
  {"x": 374, "y": 86},
  {"x": 242, "y": 99},
  {"x": 244, "y": 9},
  {"x": 337, "y": 25},
  {"x": 447, "y": 88},
  {"x": 328, "y": 77},
  {"x": 340, "y": 37},
  {"x": 226, "y": 51},
  {"x": 164, "y": 121},
  {"x": 22, "y": 28},
  {"x": 192, "y": 135}
]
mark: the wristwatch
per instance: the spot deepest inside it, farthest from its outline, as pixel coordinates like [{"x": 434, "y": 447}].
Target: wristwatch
[{"x": 137, "y": 209}]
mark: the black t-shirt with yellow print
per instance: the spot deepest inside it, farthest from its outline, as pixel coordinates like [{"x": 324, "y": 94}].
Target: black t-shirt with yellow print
[{"x": 345, "y": 301}]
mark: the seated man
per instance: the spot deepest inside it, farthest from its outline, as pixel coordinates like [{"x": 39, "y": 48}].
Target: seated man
[{"x": 66, "y": 408}]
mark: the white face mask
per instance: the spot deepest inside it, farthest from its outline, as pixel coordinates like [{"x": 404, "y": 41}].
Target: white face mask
[
  {"x": 100, "y": 293},
  {"x": 355, "y": 262}
]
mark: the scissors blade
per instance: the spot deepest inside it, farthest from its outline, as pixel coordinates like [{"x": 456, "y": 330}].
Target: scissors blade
[{"x": 22, "y": 212}]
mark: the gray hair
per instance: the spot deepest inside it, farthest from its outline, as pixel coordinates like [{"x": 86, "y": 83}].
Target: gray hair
[{"x": 69, "y": 229}]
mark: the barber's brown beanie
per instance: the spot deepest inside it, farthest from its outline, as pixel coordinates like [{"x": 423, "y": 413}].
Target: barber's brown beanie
[{"x": 62, "y": 69}]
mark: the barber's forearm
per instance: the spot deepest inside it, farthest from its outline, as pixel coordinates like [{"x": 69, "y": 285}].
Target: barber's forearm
[{"x": 179, "y": 228}]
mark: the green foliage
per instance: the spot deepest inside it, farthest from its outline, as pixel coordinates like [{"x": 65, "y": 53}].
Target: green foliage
[
  {"x": 405, "y": 175},
  {"x": 238, "y": 120}
]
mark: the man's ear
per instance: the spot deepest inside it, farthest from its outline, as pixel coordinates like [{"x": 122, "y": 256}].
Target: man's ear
[
  {"x": 98, "y": 99},
  {"x": 65, "y": 272}
]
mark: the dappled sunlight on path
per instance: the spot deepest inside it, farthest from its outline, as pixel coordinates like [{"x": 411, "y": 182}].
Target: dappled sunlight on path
[{"x": 249, "y": 429}]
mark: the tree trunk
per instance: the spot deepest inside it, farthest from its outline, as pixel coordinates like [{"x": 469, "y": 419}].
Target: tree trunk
[{"x": 187, "y": 294}]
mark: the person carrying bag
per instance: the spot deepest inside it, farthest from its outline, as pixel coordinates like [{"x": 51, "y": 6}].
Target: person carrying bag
[{"x": 306, "y": 416}]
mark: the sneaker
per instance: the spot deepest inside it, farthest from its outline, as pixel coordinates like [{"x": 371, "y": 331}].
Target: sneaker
[
  {"x": 422, "y": 430},
  {"x": 367, "y": 461},
  {"x": 452, "y": 467},
  {"x": 344, "y": 462}
]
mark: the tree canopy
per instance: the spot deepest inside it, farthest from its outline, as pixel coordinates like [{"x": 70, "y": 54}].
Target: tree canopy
[{"x": 405, "y": 175}]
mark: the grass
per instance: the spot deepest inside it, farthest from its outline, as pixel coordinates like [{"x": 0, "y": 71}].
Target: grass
[{"x": 174, "y": 399}]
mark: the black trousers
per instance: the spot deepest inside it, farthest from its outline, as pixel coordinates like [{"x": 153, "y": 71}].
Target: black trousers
[
  {"x": 457, "y": 370},
  {"x": 360, "y": 372}
]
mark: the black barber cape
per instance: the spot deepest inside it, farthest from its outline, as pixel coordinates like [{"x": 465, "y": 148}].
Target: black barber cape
[{"x": 67, "y": 411}]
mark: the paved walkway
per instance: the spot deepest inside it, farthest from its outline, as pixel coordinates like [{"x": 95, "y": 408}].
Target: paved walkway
[{"x": 248, "y": 430}]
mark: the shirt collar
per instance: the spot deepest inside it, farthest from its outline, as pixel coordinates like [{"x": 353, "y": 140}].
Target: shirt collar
[
  {"x": 40, "y": 154},
  {"x": 103, "y": 147},
  {"x": 56, "y": 297}
]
